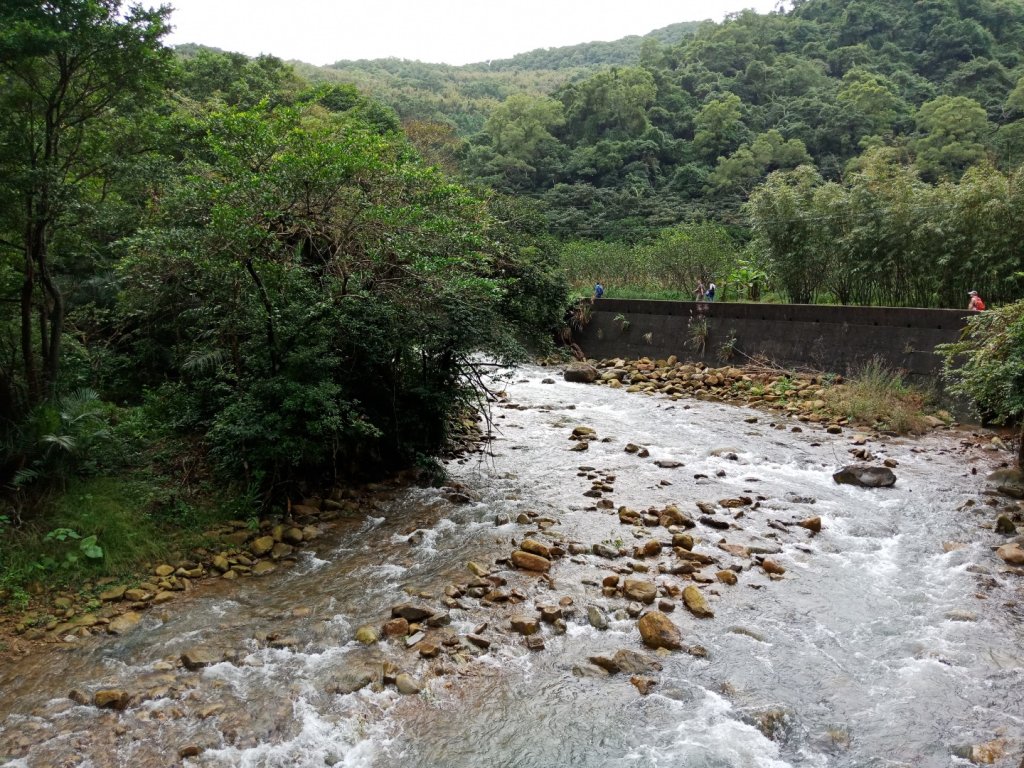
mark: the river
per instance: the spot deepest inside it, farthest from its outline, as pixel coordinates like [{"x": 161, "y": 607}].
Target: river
[{"x": 894, "y": 637}]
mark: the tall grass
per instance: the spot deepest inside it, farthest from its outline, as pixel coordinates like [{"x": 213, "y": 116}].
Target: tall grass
[{"x": 879, "y": 396}]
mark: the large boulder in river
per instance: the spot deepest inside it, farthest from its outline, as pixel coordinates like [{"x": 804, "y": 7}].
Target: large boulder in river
[
  {"x": 1011, "y": 554},
  {"x": 581, "y": 373},
  {"x": 867, "y": 477},
  {"x": 658, "y": 631}
]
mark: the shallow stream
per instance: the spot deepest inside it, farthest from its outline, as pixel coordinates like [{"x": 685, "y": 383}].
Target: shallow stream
[{"x": 893, "y": 639}]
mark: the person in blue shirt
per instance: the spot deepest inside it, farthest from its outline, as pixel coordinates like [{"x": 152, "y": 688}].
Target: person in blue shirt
[
  {"x": 710, "y": 292},
  {"x": 598, "y": 290}
]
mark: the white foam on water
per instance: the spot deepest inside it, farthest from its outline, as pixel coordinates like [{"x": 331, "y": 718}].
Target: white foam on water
[
  {"x": 350, "y": 742},
  {"x": 710, "y": 736}
]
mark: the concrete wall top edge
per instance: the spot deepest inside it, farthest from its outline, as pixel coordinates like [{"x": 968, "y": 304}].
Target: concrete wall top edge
[{"x": 907, "y": 317}]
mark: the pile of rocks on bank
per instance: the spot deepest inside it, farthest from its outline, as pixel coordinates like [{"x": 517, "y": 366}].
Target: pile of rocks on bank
[{"x": 237, "y": 551}]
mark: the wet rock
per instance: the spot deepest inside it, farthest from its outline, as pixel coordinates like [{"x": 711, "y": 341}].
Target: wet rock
[
  {"x": 812, "y": 524},
  {"x": 112, "y": 698},
  {"x": 529, "y": 561},
  {"x": 606, "y": 551},
  {"x": 280, "y": 550},
  {"x": 606, "y": 663},
  {"x": 727, "y": 577},
  {"x": 407, "y": 684},
  {"x": 642, "y": 591},
  {"x": 121, "y": 624},
  {"x": 396, "y": 628},
  {"x": 524, "y": 625},
  {"x": 696, "y": 603},
  {"x": 263, "y": 568},
  {"x": 549, "y": 614},
  {"x": 866, "y": 477},
  {"x": 633, "y": 663},
  {"x": 580, "y": 373},
  {"x": 189, "y": 750},
  {"x": 292, "y": 536},
  {"x": 596, "y": 617},
  {"x": 714, "y": 522},
  {"x": 683, "y": 540},
  {"x": 770, "y": 566},
  {"x": 1012, "y": 554},
  {"x": 643, "y": 684},
  {"x": 367, "y": 635},
  {"x": 582, "y": 445},
  {"x": 414, "y": 639},
  {"x": 658, "y": 631},
  {"x": 428, "y": 650},
  {"x": 197, "y": 658},
  {"x": 412, "y": 611},
  {"x": 1005, "y": 526},
  {"x": 631, "y": 448},
  {"x": 794, "y": 498},
  {"x": 668, "y": 463},
  {"x": 262, "y": 546},
  {"x": 479, "y": 640},
  {"x": 536, "y": 548}
]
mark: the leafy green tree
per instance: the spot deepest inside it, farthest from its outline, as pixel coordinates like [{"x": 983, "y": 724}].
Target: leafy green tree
[
  {"x": 785, "y": 231},
  {"x": 952, "y": 130},
  {"x": 719, "y": 127},
  {"x": 987, "y": 366},
  {"x": 72, "y": 71}
]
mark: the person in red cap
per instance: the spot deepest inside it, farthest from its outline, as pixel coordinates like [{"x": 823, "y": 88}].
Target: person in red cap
[{"x": 976, "y": 304}]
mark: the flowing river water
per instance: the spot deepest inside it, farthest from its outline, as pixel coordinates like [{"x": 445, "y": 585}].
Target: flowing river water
[{"x": 883, "y": 644}]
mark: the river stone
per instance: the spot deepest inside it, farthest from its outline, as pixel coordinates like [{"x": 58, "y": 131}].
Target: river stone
[
  {"x": 137, "y": 595},
  {"x": 162, "y": 597},
  {"x": 524, "y": 625},
  {"x": 643, "y": 684},
  {"x": 1012, "y": 554},
  {"x": 714, "y": 522},
  {"x": 197, "y": 658},
  {"x": 112, "y": 698},
  {"x": 121, "y": 624},
  {"x": 658, "y": 631},
  {"x": 812, "y": 524},
  {"x": 535, "y": 548},
  {"x": 604, "y": 662},
  {"x": 605, "y": 551},
  {"x": 396, "y": 627},
  {"x": 867, "y": 477},
  {"x": 637, "y": 589},
  {"x": 633, "y": 663},
  {"x": 596, "y": 618},
  {"x": 529, "y": 561},
  {"x": 477, "y": 569},
  {"x": 770, "y": 566},
  {"x": 163, "y": 571},
  {"x": 262, "y": 546},
  {"x": 407, "y": 684},
  {"x": 581, "y": 373},
  {"x": 280, "y": 549},
  {"x": 292, "y": 536},
  {"x": 412, "y": 611},
  {"x": 697, "y": 603},
  {"x": 727, "y": 577},
  {"x": 114, "y": 593},
  {"x": 1005, "y": 526},
  {"x": 367, "y": 635},
  {"x": 263, "y": 567}
]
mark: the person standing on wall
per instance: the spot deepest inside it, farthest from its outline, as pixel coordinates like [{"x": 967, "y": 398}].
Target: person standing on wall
[
  {"x": 598, "y": 290},
  {"x": 711, "y": 292},
  {"x": 700, "y": 290},
  {"x": 976, "y": 304}
]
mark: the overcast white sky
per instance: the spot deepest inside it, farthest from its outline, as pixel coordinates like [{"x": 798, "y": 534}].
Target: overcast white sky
[{"x": 449, "y": 31}]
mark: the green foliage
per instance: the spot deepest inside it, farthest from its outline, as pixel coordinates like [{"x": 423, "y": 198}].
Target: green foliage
[{"x": 987, "y": 364}]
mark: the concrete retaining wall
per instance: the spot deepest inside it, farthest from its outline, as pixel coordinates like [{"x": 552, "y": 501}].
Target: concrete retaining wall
[{"x": 827, "y": 338}]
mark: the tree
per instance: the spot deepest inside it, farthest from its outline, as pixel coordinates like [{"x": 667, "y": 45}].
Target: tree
[
  {"x": 952, "y": 129},
  {"x": 987, "y": 366},
  {"x": 71, "y": 71}
]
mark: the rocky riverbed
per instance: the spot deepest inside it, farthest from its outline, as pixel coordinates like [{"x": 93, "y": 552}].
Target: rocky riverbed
[{"x": 648, "y": 581}]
